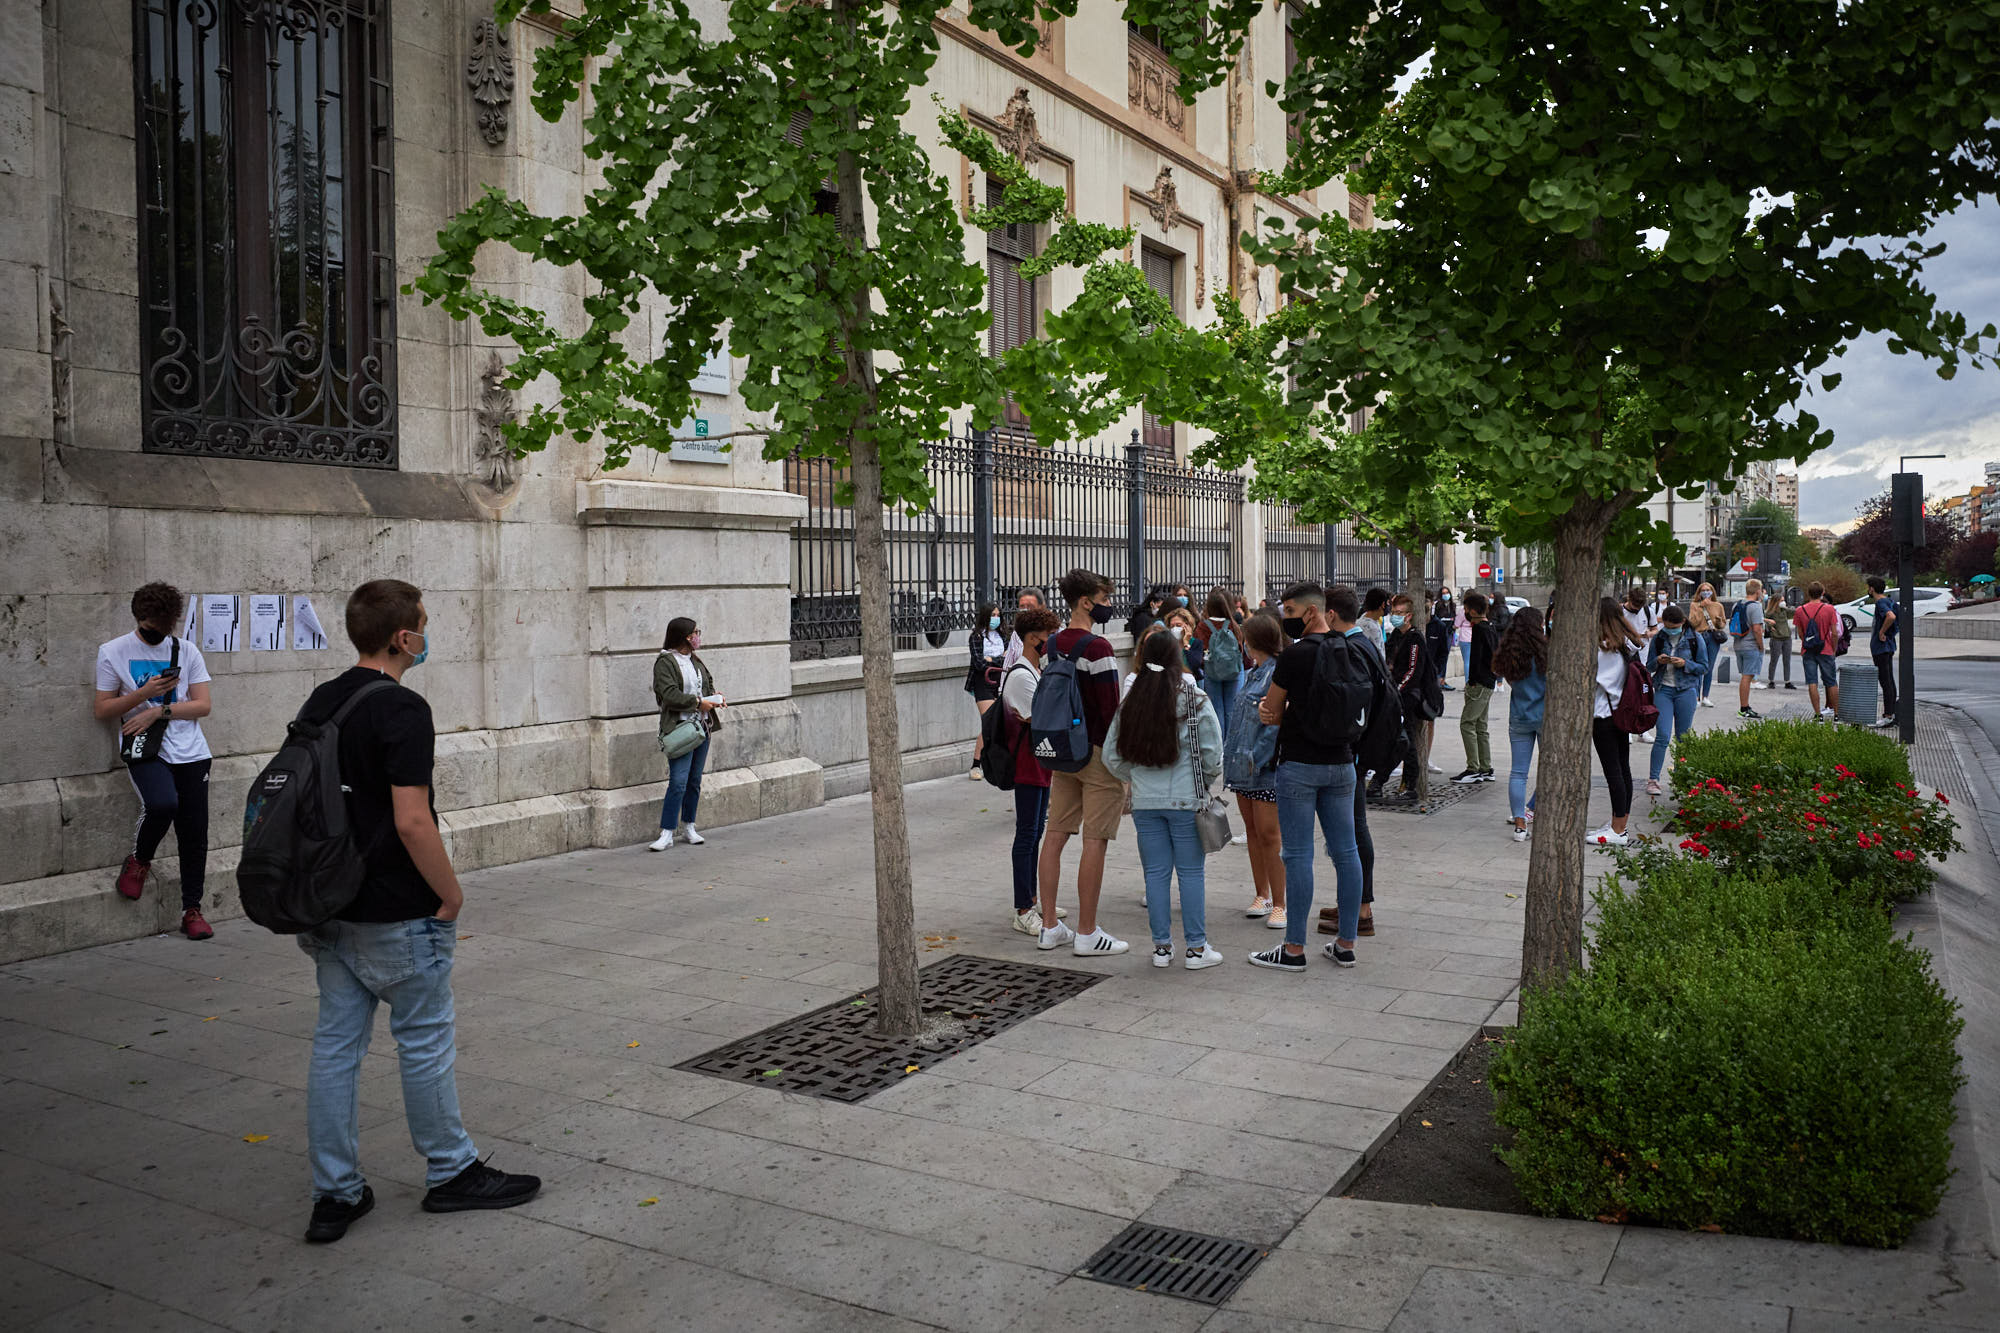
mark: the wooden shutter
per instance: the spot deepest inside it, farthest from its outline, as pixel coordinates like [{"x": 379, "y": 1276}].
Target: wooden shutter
[
  {"x": 1010, "y": 297},
  {"x": 1159, "y": 267}
]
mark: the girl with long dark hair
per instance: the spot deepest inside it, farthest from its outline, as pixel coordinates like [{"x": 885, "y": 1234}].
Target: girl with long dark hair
[
  {"x": 988, "y": 649},
  {"x": 1167, "y": 744},
  {"x": 685, "y": 691},
  {"x": 1616, "y": 646},
  {"x": 1522, "y": 660}
]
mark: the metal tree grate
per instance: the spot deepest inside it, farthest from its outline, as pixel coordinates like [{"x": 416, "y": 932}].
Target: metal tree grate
[
  {"x": 1442, "y": 794},
  {"x": 1167, "y": 1262},
  {"x": 835, "y": 1053},
  {"x": 1933, "y": 762}
]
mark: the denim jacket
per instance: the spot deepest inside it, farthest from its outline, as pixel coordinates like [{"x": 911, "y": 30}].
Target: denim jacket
[
  {"x": 1250, "y": 760},
  {"x": 1525, "y": 700},
  {"x": 1173, "y": 787},
  {"x": 1666, "y": 676}
]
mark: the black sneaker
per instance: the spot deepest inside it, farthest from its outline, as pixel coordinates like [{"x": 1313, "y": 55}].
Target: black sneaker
[
  {"x": 1486, "y": 775},
  {"x": 480, "y": 1186},
  {"x": 331, "y": 1218},
  {"x": 1466, "y": 778},
  {"x": 1338, "y": 956},
  {"x": 1790, "y": 686},
  {"x": 1279, "y": 959},
  {"x": 1750, "y": 713}
]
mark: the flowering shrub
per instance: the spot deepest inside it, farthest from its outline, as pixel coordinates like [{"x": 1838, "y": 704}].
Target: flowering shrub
[
  {"x": 1875, "y": 841},
  {"x": 1788, "y": 754}
]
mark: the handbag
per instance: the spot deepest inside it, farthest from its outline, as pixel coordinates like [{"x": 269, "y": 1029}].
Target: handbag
[
  {"x": 685, "y": 738},
  {"x": 1211, "y": 814},
  {"x": 144, "y": 746}
]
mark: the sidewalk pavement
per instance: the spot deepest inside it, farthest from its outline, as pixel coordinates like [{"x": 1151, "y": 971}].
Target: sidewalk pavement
[{"x": 154, "y": 1156}]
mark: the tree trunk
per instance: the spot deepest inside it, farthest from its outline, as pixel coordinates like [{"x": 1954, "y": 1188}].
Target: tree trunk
[
  {"x": 1553, "y": 943},
  {"x": 899, "y": 1004}
]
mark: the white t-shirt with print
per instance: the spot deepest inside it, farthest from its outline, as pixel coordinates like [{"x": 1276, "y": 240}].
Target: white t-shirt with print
[{"x": 128, "y": 661}]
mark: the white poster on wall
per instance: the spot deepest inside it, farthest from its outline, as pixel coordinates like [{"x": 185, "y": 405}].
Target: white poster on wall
[
  {"x": 221, "y": 627},
  {"x": 267, "y": 622},
  {"x": 191, "y": 627},
  {"x": 306, "y": 631},
  {"x": 695, "y": 440},
  {"x": 713, "y": 377}
]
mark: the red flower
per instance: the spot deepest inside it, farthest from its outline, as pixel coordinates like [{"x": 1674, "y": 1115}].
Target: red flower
[
  {"x": 1903, "y": 854},
  {"x": 1824, "y": 800},
  {"x": 1942, "y": 798}
]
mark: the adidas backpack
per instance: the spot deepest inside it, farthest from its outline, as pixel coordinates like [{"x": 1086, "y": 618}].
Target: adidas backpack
[
  {"x": 1342, "y": 694},
  {"x": 999, "y": 738},
  {"x": 300, "y": 864},
  {"x": 1056, "y": 725}
]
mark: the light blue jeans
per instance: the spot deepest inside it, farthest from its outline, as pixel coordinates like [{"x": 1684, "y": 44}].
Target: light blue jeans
[
  {"x": 1523, "y": 746},
  {"x": 1169, "y": 844},
  {"x": 683, "y": 796},
  {"x": 1676, "y": 704},
  {"x": 408, "y": 964},
  {"x": 1324, "y": 792},
  {"x": 1223, "y": 695}
]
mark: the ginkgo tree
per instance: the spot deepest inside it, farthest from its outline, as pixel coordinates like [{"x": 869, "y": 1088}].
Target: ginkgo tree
[
  {"x": 761, "y": 185},
  {"x": 1619, "y": 236}
]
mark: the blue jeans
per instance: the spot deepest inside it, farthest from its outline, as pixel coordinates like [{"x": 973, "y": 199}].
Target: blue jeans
[
  {"x": 1031, "y": 816},
  {"x": 684, "y": 787},
  {"x": 1676, "y": 705},
  {"x": 1325, "y": 792},
  {"x": 1465, "y": 659},
  {"x": 1523, "y": 747},
  {"x": 1223, "y": 695},
  {"x": 1168, "y": 844},
  {"x": 408, "y": 964}
]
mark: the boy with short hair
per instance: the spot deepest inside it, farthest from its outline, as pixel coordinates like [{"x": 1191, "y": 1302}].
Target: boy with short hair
[
  {"x": 1819, "y": 621},
  {"x": 1747, "y": 625},
  {"x": 1882, "y": 646},
  {"x": 1479, "y": 683}
]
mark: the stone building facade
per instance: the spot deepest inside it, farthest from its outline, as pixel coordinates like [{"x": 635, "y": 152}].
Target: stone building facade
[{"x": 372, "y": 449}]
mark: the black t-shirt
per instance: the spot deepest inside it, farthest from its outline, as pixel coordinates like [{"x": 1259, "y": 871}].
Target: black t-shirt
[
  {"x": 1294, "y": 676},
  {"x": 387, "y": 741}
]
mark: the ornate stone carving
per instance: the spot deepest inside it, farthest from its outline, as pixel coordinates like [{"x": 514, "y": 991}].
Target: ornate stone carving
[
  {"x": 489, "y": 75},
  {"x": 1019, "y": 135},
  {"x": 496, "y": 465},
  {"x": 1152, "y": 85},
  {"x": 60, "y": 335},
  {"x": 1164, "y": 203}
]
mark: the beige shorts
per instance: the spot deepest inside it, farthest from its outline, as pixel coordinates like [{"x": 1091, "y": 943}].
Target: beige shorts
[{"x": 1090, "y": 801}]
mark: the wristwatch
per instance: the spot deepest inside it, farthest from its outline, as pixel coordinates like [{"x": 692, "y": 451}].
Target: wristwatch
[{"x": 166, "y": 712}]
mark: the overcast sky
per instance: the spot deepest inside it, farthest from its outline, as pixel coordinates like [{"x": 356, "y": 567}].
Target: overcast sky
[{"x": 1890, "y": 405}]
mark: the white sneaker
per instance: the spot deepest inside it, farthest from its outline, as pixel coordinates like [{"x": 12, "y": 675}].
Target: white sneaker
[
  {"x": 1054, "y": 937},
  {"x": 1519, "y": 835},
  {"x": 1606, "y": 837},
  {"x": 661, "y": 843},
  {"x": 1239, "y": 840},
  {"x": 1708, "y": 703},
  {"x": 1276, "y": 921},
  {"x": 693, "y": 838},
  {"x": 1099, "y": 943},
  {"x": 1645, "y": 738},
  {"x": 1759, "y": 685},
  {"x": 1206, "y": 956},
  {"x": 1433, "y": 768},
  {"x": 1163, "y": 955},
  {"x": 1029, "y": 922}
]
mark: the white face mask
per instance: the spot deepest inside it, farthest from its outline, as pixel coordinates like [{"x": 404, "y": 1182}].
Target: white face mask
[{"x": 1180, "y": 631}]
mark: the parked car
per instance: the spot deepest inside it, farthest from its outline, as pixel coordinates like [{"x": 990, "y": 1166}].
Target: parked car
[{"x": 1861, "y": 610}]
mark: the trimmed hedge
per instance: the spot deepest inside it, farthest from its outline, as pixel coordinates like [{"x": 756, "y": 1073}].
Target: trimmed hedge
[
  {"x": 1788, "y": 754},
  {"x": 1751, "y": 1053}
]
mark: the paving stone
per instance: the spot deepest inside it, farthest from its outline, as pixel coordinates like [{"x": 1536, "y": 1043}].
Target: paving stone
[
  {"x": 1453, "y": 1008},
  {"x": 1229, "y": 1320},
  {"x": 1497, "y": 1303},
  {"x": 1079, "y": 1303},
  {"x": 29, "y": 1291},
  {"x": 1234, "y": 1034},
  {"x": 1501, "y": 1242},
  {"x": 117, "y": 1312},
  {"x": 1120, "y": 1050},
  {"x": 1346, "y": 1083},
  {"x": 1218, "y": 1206},
  {"x": 329, "y": 1305},
  {"x": 1358, "y": 1293},
  {"x": 1001, "y": 1066}
]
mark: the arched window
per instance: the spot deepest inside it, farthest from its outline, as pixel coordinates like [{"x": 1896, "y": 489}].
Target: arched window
[{"x": 266, "y": 268}]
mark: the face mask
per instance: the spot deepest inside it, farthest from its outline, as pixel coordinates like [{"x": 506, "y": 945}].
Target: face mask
[
  {"x": 1100, "y": 614},
  {"x": 1180, "y": 601},
  {"x": 1660, "y": 598},
  {"x": 147, "y": 634},
  {"x": 1395, "y": 622},
  {"x": 1295, "y": 626},
  {"x": 418, "y": 659},
  {"x": 694, "y": 642},
  {"x": 993, "y": 622},
  {"x": 1673, "y": 633}
]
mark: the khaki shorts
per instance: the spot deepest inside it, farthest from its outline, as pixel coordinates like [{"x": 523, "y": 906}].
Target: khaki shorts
[{"x": 1090, "y": 801}]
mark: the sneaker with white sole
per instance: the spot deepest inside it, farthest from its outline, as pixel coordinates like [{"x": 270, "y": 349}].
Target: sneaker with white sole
[
  {"x": 1163, "y": 955},
  {"x": 1206, "y": 956},
  {"x": 1708, "y": 703},
  {"x": 1029, "y": 922},
  {"x": 1054, "y": 937},
  {"x": 1607, "y": 837},
  {"x": 1276, "y": 921},
  {"x": 1652, "y": 786},
  {"x": 1338, "y": 956},
  {"x": 1279, "y": 960},
  {"x": 1100, "y": 943},
  {"x": 1258, "y": 907},
  {"x": 1519, "y": 835},
  {"x": 661, "y": 843},
  {"x": 1466, "y": 777},
  {"x": 693, "y": 837},
  {"x": 1239, "y": 839}
]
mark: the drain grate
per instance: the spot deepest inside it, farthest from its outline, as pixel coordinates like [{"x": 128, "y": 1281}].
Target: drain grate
[
  {"x": 1166, "y": 1262},
  {"x": 1442, "y": 794},
  {"x": 835, "y": 1053},
  {"x": 1933, "y": 761}
]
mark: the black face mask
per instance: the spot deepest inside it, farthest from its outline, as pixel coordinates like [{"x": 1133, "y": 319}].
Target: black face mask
[
  {"x": 1295, "y": 627},
  {"x": 149, "y": 635},
  {"x": 1100, "y": 614}
]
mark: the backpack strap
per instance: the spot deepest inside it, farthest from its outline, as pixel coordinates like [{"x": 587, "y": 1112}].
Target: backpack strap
[{"x": 348, "y": 705}]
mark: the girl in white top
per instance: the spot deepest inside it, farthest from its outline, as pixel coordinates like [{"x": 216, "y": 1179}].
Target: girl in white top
[{"x": 1615, "y": 641}]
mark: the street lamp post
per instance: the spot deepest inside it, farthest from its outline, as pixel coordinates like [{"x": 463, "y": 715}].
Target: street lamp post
[{"x": 1911, "y": 537}]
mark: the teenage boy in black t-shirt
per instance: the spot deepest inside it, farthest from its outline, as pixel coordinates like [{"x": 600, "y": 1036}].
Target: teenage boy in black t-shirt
[{"x": 395, "y": 941}]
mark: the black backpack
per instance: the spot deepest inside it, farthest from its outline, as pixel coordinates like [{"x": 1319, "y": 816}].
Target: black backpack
[
  {"x": 998, "y": 741},
  {"x": 1382, "y": 745},
  {"x": 1056, "y": 725},
  {"x": 1342, "y": 695},
  {"x": 300, "y": 863}
]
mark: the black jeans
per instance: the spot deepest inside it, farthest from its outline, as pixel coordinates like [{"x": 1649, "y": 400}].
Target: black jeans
[
  {"x": 1031, "y": 816},
  {"x": 1363, "y": 843},
  {"x": 175, "y": 794},
  {"x": 1885, "y": 670},
  {"x": 1614, "y": 755}
]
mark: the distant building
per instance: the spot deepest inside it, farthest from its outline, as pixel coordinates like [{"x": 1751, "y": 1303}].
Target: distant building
[
  {"x": 1979, "y": 507},
  {"x": 1821, "y": 537},
  {"x": 1785, "y": 490}
]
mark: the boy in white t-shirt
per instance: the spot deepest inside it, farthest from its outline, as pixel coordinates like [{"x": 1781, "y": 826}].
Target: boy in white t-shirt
[{"x": 151, "y": 676}]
